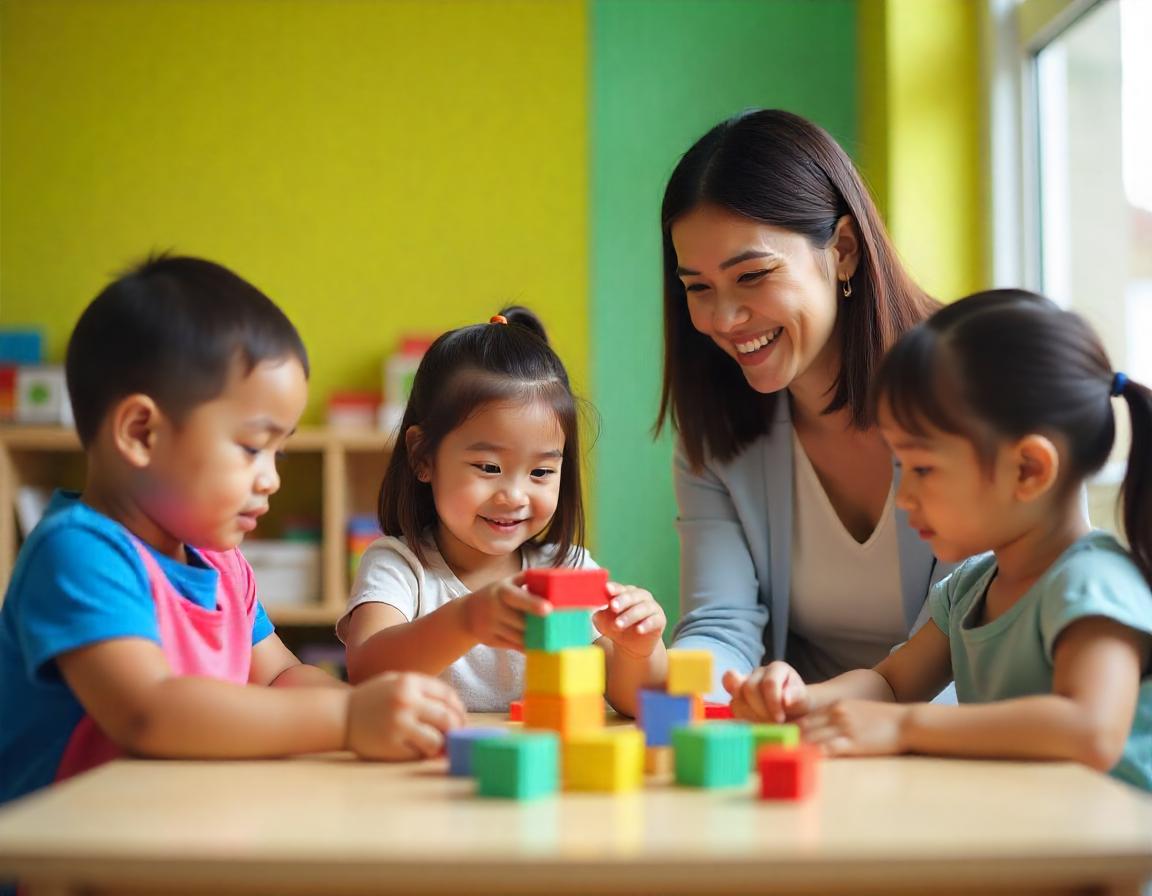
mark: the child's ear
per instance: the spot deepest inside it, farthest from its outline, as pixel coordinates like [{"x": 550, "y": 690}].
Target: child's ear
[
  {"x": 1037, "y": 465},
  {"x": 413, "y": 443},
  {"x": 134, "y": 421}
]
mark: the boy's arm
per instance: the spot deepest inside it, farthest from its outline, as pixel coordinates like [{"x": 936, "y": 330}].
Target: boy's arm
[
  {"x": 127, "y": 687},
  {"x": 274, "y": 665}
]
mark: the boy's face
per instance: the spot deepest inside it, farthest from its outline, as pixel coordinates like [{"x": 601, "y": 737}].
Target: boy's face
[
  {"x": 957, "y": 503},
  {"x": 211, "y": 476}
]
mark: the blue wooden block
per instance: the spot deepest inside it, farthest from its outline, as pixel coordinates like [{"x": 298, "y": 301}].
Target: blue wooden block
[
  {"x": 660, "y": 713},
  {"x": 460, "y": 744}
]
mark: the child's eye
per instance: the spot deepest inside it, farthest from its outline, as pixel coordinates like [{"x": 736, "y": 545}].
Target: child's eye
[
  {"x": 249, "y": 450},
  {"x": 487, "y": 468},
  {"x": 921, "y": 471},
  {"x": 542, "y": 472}
]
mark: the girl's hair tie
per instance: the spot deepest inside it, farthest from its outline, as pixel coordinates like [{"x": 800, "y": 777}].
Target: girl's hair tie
[
  {"x": 497, "y": 319},
  {"x": 1119, "y": 381}
]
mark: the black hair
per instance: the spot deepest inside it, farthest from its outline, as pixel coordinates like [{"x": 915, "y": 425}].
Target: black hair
[
  {"x": 777, "y": 168},
  {"x": 1005, "y": 363},
  {"x": 171, "y": 328},
  {"x": 463, "y": 370}
]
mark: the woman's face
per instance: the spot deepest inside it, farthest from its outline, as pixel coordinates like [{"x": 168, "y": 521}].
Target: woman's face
[{"x": 764, "y": 294}]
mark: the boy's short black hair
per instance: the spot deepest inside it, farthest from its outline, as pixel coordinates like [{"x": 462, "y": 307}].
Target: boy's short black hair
[{"x": 171, "y": 328}]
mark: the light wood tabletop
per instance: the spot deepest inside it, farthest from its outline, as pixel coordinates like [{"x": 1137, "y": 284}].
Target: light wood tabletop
[{"x": 328, "y": 824}]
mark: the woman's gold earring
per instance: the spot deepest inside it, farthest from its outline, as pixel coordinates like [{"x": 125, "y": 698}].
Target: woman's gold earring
[{"x": 846, "y": 287}]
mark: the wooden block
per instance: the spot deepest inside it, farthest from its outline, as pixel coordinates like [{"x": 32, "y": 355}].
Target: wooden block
[
  {"x": 717, "y": 710},
  {"x": 788, "y": 773},
  {"x": 558, "y": 630},
  {"x": 460, "y": 745},
  {"x": 689, "y": 672},
  {"x": 516, "y": 711},
  {"x": 569, "y": 587},
  {"x": 575, "y": 670},
  {"x": 565, "y": 715},
  {"x": 611, "y": 760},
  {"x": 715, "y": 754},
  {"x": 659, "y": 760},
  {"x": 661, "y": 712},
  {"x": 518, "y": 766}
]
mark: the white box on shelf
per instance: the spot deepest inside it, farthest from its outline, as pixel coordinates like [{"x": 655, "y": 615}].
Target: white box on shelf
[
  {"x": 287, "y": 572},
  {"x": 42, "y": 395}
]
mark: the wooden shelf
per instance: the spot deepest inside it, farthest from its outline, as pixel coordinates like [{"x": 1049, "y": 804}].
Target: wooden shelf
[{"x": 346, "y": 464}]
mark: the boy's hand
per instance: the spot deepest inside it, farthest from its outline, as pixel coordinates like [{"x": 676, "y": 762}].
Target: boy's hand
[
  {"x": 494, "y": 615},
  {"x": 633, "y": 620},
  {"x": 401, "y": 715},
  {"x": 857, "y": 728},
  {"x": 772, "y": 693}
]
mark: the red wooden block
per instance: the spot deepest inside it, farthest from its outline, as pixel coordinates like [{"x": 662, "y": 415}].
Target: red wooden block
[
  {"x": 788, "y": 773},
  {"x": 717, "y": 710},
  {"x": 516, "y": 711},
  {"x": 569, "y": 587}
]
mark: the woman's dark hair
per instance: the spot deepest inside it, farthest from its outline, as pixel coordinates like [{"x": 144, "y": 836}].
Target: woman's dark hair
[
  {"x": 171, "y": 328},
  {"x": 1005, "y": 363},
  {"x": 463, "y": 370},
  {"x": 779, "y": 169}
]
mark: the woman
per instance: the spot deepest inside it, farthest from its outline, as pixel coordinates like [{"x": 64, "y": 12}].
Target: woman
[{"x": 782, "y": 292}]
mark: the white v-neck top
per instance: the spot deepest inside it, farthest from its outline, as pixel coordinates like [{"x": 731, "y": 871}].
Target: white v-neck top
[{"x": 846, "y": 610}]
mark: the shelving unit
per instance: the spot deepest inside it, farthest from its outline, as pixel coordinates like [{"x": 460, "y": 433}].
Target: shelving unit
[{"x": 326, "y": 473}]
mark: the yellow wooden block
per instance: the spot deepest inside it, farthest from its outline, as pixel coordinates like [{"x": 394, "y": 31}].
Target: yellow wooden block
[
  {"x": 689, "y": 672},
  {"x": 611, "y": 760},
  {"x": 568, "y": 716},
  {"x": 574, "y": 670}
]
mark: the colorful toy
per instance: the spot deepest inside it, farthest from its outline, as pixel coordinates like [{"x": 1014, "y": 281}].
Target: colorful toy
[
  {"x": 569, "y": 672},
  {"x": 517, "y": 766},
  {"x": 460, "y": 747},
  {"x": 565, "y": 714},
  {"x": 609, "y": 760},
  {"x": 788, "y": 773},
  {"x": 717, "y": 710},
  {"x": 689, "y": 672},
  {"x": 557, "y": 630},
  {"x": 661, "y": 712},
  {"x": 569, "y": 587},
  {"x": 715, "y": 754},
  {"x": 516, "y": 711}
]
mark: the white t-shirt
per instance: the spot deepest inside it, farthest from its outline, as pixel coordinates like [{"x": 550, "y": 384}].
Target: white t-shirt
[
  {"x": 486, "y": 678},
  {"x": 845, "y": 609}
]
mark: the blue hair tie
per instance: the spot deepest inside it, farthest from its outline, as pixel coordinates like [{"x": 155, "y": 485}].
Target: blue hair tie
[{"x": 1119, "y": 381}]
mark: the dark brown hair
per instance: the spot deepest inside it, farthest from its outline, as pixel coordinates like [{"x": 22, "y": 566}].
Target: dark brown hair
[
  {"x": 779, "y": 169},
  {"x": 1006, "y": 363},
  {"x": 171, "y": 328},
  {"x": 463, "y": 370}
]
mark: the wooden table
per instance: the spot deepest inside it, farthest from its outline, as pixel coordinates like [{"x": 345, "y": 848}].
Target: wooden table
[{"x": 330, "y": 825}]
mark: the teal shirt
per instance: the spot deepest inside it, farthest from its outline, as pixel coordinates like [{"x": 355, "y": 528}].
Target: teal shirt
[{"x": 1012, "y": 655}]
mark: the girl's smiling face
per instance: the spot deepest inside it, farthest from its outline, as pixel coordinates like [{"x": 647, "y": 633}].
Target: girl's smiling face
[
  {"x": 763, "y": 294},
  {"x": 495, "y": 481}
]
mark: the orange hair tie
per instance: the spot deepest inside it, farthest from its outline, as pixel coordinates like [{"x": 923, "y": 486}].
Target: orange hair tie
[{"x": 497, "y": 319}]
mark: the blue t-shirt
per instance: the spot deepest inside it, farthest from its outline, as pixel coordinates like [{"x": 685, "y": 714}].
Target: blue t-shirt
[
  {"x": 79, "y": 579},
  {"x": 1011, "y": 656}
]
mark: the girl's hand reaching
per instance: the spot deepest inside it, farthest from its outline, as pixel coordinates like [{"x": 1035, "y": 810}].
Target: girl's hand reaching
[
  {"x": 772, "y": 693},
  {"x": 494, "y": 615},
  {"x": 633, "y": 620}
]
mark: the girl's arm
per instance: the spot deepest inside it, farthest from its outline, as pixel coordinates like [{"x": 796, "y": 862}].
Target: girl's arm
[
  {"x": 127, "y": 687},
  {"x": 1087, "y": 717},
  {"x": 380, "y": 639},
  {"x": 274, "y": 665}
]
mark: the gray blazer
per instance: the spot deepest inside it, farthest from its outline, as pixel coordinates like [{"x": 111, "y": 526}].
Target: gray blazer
[{"x": 735, "y": 526}]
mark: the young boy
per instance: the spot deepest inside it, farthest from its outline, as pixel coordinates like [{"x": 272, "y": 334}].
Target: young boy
[{"x": 131, "y": 623}]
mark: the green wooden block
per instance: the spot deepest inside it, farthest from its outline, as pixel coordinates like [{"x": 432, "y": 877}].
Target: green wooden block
[
  {"x": 718, "y": 754},
  {"x": 558, "y": 630},
  {"x": 775, "y": 735},
  {"x": 519, "y": 766}
]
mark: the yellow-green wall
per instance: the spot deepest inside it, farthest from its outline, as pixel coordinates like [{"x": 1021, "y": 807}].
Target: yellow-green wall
[
  {"x": 374, "y": 166},
  {"x": 921, "y": 135}
]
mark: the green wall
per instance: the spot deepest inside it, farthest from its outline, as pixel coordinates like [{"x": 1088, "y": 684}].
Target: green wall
[{"x": 662, "y": 73}]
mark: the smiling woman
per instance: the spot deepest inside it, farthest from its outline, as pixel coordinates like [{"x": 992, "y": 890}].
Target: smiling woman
[{"x": 782, "y": 292}]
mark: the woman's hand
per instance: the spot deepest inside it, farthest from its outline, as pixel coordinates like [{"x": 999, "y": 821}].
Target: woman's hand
[
  {"x": 633, "y": 620},
  {"x": 494, "y": 615},
  {"x": 772, "y": 693},
  {"x": 857, "y": 728}
]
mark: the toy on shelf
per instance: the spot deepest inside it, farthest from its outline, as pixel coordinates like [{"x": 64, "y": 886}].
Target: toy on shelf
[{"x": 399, "y": 372}]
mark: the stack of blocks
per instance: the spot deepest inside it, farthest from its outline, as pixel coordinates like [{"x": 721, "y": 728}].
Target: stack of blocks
[{"x": 680, "y": 703}]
